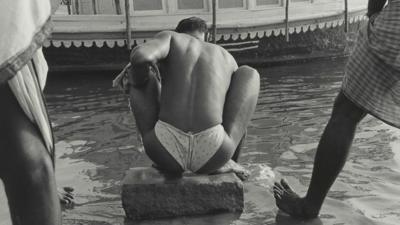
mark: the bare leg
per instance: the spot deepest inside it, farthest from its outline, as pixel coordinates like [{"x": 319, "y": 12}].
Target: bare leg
[
  {"x": 239, "y": 107},
  {"x": 145, "y": 103},
  {"x": 26, "y": 167},
  {"x": 330, "y": 158},
  {"x": 238, "y": 150}
]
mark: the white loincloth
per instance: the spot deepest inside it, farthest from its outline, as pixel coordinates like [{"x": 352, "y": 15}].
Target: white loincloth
[
  {"x": 27, "y": 86},
  {"x": 24, "y": 26}
]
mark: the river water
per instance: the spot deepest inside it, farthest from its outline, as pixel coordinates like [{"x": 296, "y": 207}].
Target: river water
[{"x": 96, "y": 143}]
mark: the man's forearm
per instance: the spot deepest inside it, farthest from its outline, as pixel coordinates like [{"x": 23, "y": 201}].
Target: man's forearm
[
  {"x": 141, "y": 73},
  {"x": 140, "y": 62},
  {"x": 375, "y": 6}
]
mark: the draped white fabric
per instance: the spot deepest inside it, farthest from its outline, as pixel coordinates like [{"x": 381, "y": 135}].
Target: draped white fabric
[
  {"x": 20, "y": 20},
  {"x": 27, "y": 86},
  {"x": 20, "y": 23}
]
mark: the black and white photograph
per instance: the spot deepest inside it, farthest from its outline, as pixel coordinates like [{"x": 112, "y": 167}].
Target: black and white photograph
[{"x": 200, "y": 112}]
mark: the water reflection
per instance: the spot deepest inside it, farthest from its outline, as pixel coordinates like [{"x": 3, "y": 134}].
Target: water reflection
[{"x": 96, "y": 143}]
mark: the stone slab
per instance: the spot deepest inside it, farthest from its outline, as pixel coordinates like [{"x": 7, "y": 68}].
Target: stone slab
[{"x": 149, "y": 194}]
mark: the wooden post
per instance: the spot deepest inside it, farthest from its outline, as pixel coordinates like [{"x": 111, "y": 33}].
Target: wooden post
[
  {"x": 346, "y": 16},
  {"x": 94, "y": 3},
  {"x": 128, "y": 25},
  {"x": 287, "y": 20},
  {"x": 214, "y": 21},
  {"x": 118, "y": 7},
  {"x": 76, "y": 7},
  {"x": 69, "y": 2}
]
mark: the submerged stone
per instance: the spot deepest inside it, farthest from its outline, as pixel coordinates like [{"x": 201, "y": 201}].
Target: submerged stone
[{"x": 149, "y": 194}]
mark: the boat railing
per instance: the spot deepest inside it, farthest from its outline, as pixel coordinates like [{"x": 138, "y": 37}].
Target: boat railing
[{"x": 130, "y": 21}]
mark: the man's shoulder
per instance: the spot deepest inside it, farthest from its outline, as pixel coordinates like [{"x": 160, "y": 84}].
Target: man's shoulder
[
  {"x": 218, "y": 48},
  {"x": 178, "y": 37},
  {"x": 222, "y": 56},
  {"x": 165, "y": 33},
  {"x": 228, "y": 56}
]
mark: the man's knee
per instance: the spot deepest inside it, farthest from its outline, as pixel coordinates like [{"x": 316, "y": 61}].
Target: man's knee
[
  {"x": 245, "y": 85},
  {"x": 248, "y": 74},
  {"x": 159, "y": 155},
  {"x": 345, "y": 109},
  {"x": 36, "y": 168},
  {"x": 41, "y": 168}
]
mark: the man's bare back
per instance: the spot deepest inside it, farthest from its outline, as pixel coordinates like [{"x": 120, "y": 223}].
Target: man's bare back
[{"x": 195, "y": 79}]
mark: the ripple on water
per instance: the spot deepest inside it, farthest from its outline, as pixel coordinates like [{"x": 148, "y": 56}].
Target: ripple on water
[{"x": 97, "y": 142}]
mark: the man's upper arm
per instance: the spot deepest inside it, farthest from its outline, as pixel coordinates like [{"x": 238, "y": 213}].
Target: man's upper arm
[{"x": 153, "y": 50}]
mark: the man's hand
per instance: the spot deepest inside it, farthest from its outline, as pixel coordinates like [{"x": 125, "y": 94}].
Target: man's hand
[
  {"x": 135, "y": 77},
  {"x": 122, "y": 81}
]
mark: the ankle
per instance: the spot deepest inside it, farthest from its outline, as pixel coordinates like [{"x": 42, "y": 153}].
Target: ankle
[{"x": 311, "y": 210}]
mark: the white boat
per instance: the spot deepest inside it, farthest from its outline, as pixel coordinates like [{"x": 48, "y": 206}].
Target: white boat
[{"x": 240, "y": 24}]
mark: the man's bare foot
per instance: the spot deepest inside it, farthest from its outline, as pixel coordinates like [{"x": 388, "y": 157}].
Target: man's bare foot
[
  {"x": 166, "y": 173},
  {"x": 233, "y": 167},
  {"x": 66, "y": 197},
  {"x": 291, "y": 203}
]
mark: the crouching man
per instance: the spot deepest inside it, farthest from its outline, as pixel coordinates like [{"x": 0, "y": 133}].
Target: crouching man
[{"x": 191, "y": 101}]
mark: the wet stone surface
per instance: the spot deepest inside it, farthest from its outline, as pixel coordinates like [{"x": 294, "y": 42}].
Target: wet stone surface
[{"x": 149, "y": 194}]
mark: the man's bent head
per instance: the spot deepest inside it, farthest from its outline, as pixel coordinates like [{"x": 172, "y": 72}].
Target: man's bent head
[{"x": 194, "y": 26}]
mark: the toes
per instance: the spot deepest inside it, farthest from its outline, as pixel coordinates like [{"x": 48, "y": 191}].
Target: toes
[
  {"x": 285, "y": 185},
  {"x": 63, "y": 201},
  {"x": 277, "y": 196},
  {"x": 242, "y": 176},
  {"x": 246, "y": 174},
  {"x": 68, "y": 189},
  {"x": 67, "y": 203},
  {"x": 278, "y": 185},
  {"x": 278, "y": 190},
  {"x": 68, "y": 195}
]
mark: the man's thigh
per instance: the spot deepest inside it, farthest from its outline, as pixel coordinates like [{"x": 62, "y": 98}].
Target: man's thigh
[
  {"x": 21, "y": 144},
  {"x": 344, "y": 107},
  {"x": 159, "y": 155},
  {"x": 221, "y": 156}
]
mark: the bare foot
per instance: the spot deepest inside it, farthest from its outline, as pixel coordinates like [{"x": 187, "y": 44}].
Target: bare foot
[
  {"x": 233, "y": 167},
  {"x": 66, "y": 197},
  {"x": 166, "y": 173},
  {"x": 291, "y": 203}
]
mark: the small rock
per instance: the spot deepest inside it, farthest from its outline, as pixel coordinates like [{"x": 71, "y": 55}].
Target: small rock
[
  {"x": 303, "y": 148},
  {"x": 288, "y": 155}
]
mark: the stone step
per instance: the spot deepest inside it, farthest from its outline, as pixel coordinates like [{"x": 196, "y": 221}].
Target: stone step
[{"x": 149, "y": 194}]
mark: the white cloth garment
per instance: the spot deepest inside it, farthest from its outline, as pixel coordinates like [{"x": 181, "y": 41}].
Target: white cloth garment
[
  {"x": 24, "y": 26},
  {"x": 27, "y": 86}
]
